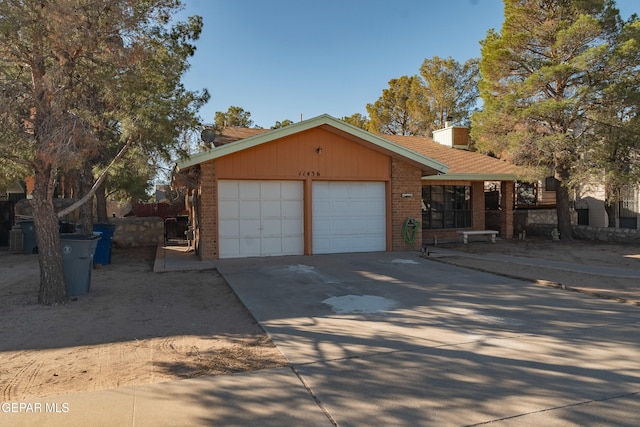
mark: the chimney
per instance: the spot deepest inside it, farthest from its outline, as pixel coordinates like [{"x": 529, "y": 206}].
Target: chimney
[
  {"x": 448, "y": 122},
  {"x": 452, "y": 136}
]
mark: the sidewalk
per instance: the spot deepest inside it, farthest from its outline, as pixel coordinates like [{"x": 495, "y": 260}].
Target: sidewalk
[
  {"x": 274, "y": 397},
  {"x": 630, "y": 294},
  {"x": 626, "y": 273}
]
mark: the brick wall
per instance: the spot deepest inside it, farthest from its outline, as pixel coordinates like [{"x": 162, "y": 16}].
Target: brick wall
[
  {"x": 405, "y": 179},
  {"x": 208, "y": 198}
]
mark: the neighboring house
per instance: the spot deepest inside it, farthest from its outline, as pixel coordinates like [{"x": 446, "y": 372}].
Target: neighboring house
[
  {"x": 14, "y": 191},
  {"x": 588, "y": 202},
  {"x": 591, "y": 211},
  {"x": 324, "y": 186}
]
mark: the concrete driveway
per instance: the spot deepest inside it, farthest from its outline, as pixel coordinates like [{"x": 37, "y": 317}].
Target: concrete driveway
[{"x": 395, "y": 339}]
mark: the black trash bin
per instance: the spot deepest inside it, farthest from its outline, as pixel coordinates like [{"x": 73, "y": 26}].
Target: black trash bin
[
  {"x": 29, "y": 244},
  {"x": 103, "y": 250},
  {"x": 77, "y": 253}
]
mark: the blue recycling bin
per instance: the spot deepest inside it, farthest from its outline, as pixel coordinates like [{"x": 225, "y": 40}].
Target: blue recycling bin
[
  {"x": 77, "y": 253},
  {"x": 29, "y": 244},
  {"x": 103, "y": 250}
]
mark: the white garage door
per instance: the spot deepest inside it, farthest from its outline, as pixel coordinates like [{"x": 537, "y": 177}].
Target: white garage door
[
  {"x": 348, "y": 217},
  {"x": 260, "y": 218}
]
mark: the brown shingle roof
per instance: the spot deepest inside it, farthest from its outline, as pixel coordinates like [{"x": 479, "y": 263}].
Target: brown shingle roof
[
  {"x": 232, "y": 134},
  {"x": 462, "y": 164},
  {"x": 459, "y": 161}
]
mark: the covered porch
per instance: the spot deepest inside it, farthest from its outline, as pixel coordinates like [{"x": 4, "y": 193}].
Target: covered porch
[{"x": 453, "y": 205}]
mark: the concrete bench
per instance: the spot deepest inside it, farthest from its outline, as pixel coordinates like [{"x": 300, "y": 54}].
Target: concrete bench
[{"x": 488, "y": 233}]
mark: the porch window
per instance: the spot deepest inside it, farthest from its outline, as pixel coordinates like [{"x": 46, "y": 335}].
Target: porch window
[
  {"x": 446, "y": 206},
  {"x": 550, "y": 183}
]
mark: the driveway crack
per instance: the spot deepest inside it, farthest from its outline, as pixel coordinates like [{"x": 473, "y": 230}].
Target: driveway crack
[{"x": 323, "y": 408}]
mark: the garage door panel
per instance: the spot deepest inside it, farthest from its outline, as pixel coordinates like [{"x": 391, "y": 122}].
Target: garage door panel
[
  {"x": 271, "y": 208},
  {"x": 321, "y": 228},
  {"x": 248, "y": 190},
  {"x": 271, "y": 227},
  {"x": 321, "y": 245},
  {"x": 373, "y": 188},
  {"x": 349, "y": 217},
  {"x": 293, "y": 226},
  {"x": 291, "y": 188},
  {"x": 360, "y": 226},
  {"x": 368, "y": 226},
  {"x": 292, "y": 209},
  {"x": 229, "y": 227},
  {"x": 248, "y": 208},
  {"x": 249, "y": 228},
  {"x": 229, "y": 191},
  {"x": 292, "y": 245},
  {"x": 229, "y": 209},
  {"x": 231, "y": 245},
  {"x": 260, "y": 218},
  {"x": 321, "y": 210},
  {"x": 250, "y": 246},
  {"x": 339, "y": 192},
  {"x": 342, "y": 226},
  {"x": 271, "y": 244},
  {"x": 271, "y": 190}
]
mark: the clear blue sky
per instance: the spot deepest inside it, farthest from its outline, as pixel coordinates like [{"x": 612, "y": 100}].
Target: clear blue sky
[{"x": 279, "y": 59}]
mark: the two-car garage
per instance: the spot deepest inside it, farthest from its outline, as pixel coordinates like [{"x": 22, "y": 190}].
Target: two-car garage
[
  {"x": 266, "y": 218},
  {"x": 314, "y": 187}
]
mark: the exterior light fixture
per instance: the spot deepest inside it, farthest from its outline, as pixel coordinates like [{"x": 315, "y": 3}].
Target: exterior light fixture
[{"x": 319, "y": 150}]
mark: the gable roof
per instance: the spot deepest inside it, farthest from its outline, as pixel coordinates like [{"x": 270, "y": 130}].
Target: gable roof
[
  {"x": 265, "y": 136},
  {"x": 463, "y": 164}
]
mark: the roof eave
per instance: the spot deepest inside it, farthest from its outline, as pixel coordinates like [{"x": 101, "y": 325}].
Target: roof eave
[{"x": 472, "y": 177}]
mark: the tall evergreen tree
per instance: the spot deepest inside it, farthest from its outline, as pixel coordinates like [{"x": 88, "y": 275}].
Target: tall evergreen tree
[
  {"x": 450, "y": 89},
  {"x": 540, "y": 77},
  {"x": 418, "y": 105},
  {"x": 70, "y": 71},
  {"x": 234, "y": 117},
  {"x": 394, "y": 112},
  {"x": 357, "y": 120}
]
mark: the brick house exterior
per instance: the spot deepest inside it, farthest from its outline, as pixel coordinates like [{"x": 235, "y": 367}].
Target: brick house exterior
[{"x": 321, "y": 186}]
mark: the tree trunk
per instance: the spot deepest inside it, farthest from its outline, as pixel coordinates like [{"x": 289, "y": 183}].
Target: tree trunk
[
  {"x": 563, "y": 208},
  {"x": 611, "y": 208},
  {"x": 53, "y": 289},
  {"x": 101, "y": 204}
]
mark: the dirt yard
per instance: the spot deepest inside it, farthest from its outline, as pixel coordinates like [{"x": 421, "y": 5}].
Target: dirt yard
[
  {"x": 133, "y": 327},
  {"x": 577, "y": 251}
]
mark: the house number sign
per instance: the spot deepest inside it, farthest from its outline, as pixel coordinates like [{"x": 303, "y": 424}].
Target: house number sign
[{"x": 309, "y": 173}]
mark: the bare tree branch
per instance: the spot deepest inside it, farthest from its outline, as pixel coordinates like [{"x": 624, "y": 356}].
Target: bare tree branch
[{"x": 101, "y": 178}]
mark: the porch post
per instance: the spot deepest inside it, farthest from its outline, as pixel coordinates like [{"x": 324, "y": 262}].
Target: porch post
[{"x": 507, "y": 191}]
